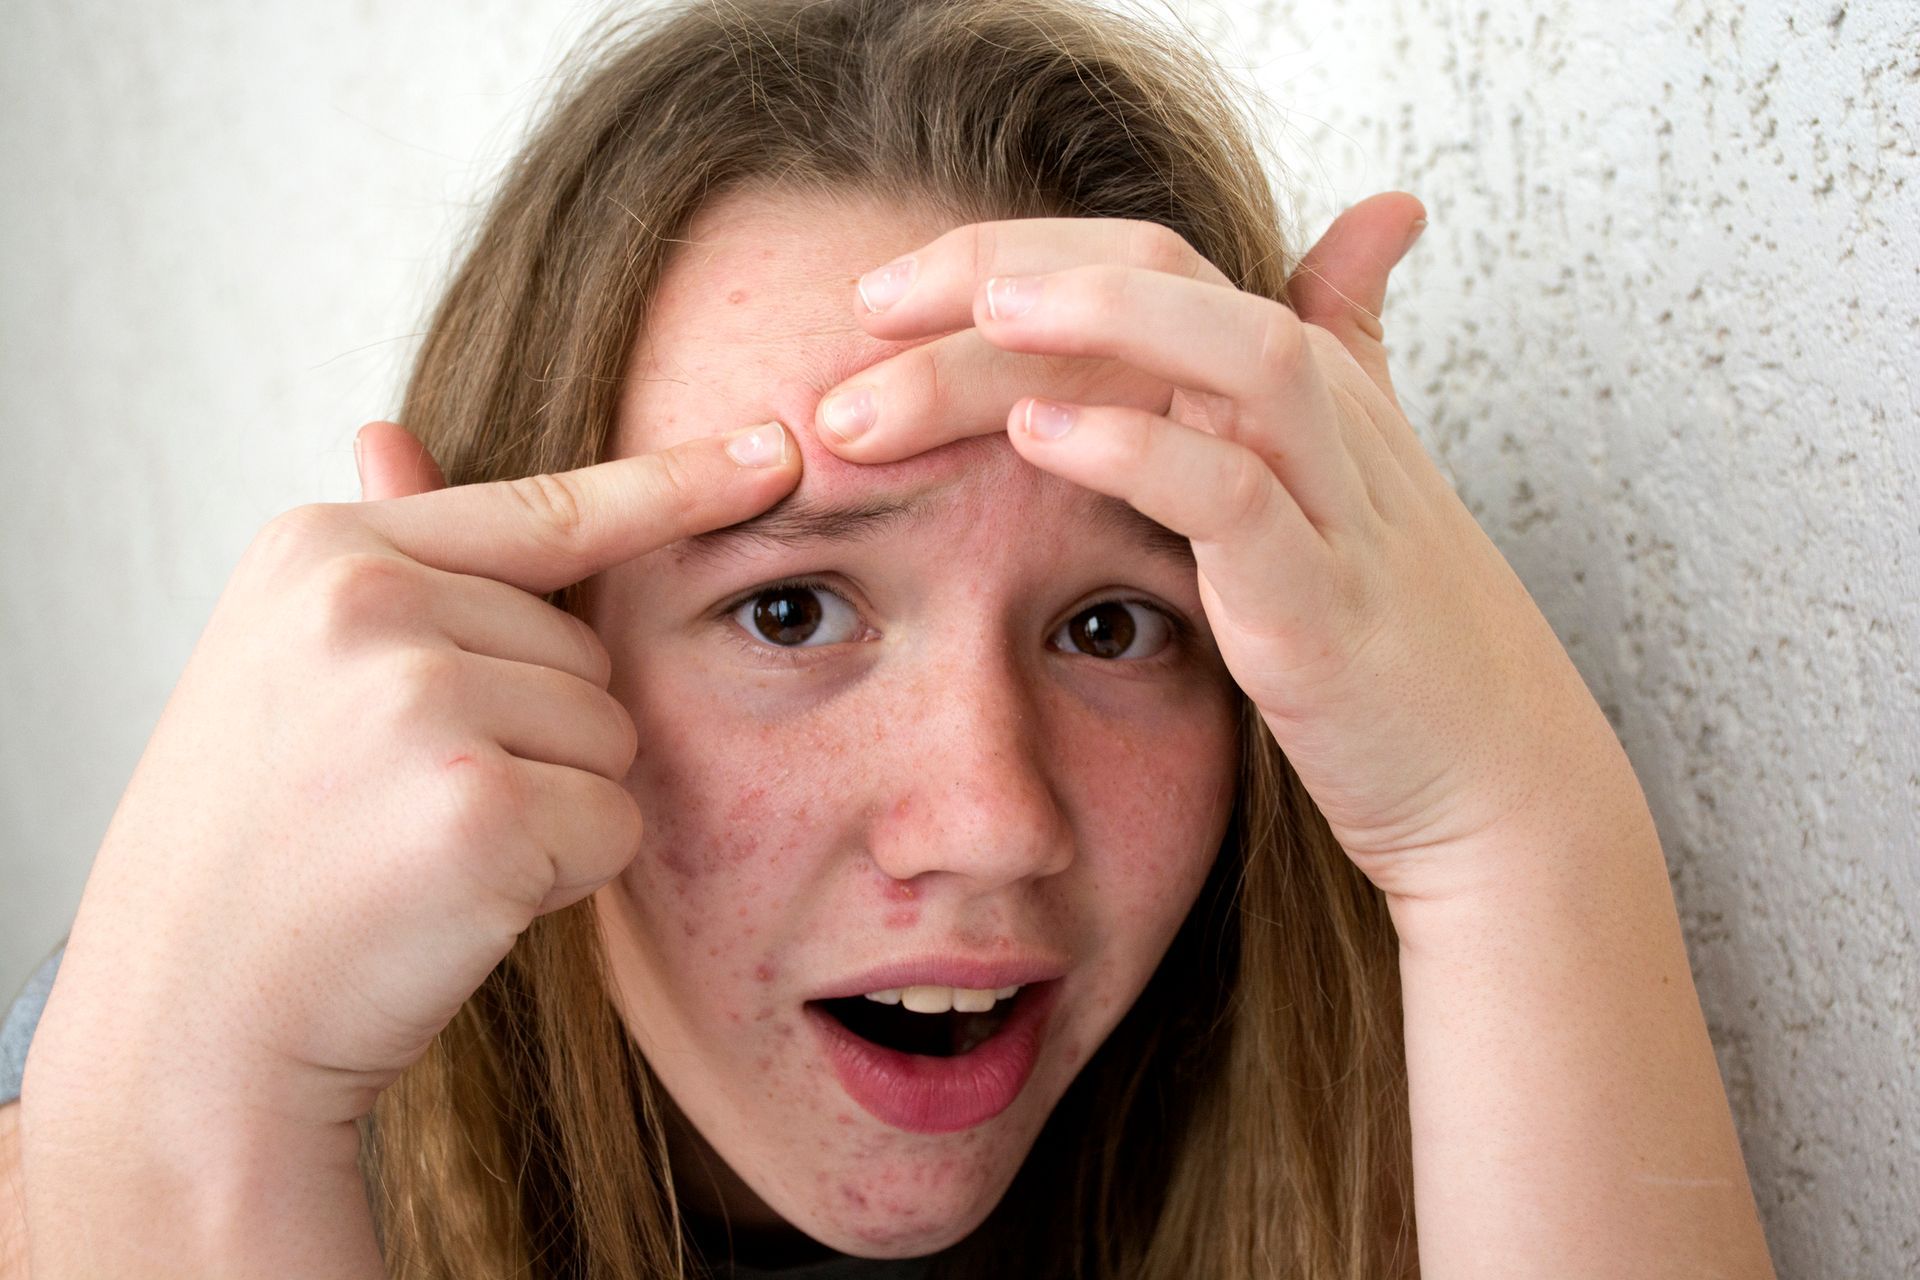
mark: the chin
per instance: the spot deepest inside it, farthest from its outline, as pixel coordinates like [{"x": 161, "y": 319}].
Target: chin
[
  {"x": 900, "y": 1225},
  {"x": 882, "y": 1193}
]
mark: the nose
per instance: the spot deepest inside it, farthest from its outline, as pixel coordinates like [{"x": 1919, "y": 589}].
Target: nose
[{"x": 972, "y": 792}]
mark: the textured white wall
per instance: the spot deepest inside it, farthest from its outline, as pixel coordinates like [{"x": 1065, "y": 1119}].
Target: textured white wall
[{"x": 1664, "y": 328}]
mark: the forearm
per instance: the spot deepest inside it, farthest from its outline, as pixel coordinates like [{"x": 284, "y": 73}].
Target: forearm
[
  {"x": 141, "y": 1194},
  {"x": 1568, "y": 1114}
]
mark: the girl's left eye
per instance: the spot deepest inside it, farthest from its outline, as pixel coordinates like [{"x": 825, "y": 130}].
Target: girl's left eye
[
  {"x": 1122, "y": 629},
  {"x": 795, "y": 615}
]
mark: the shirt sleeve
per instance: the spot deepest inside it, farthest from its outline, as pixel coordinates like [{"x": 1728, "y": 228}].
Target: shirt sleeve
[{"x": 17, "y": 1032}]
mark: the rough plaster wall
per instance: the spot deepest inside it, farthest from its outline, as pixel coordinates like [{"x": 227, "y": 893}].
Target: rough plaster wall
[{"x": 1663, "y": 329}]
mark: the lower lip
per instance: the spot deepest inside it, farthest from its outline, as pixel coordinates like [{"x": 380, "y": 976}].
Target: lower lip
[{"x": 924, "y": 1094}]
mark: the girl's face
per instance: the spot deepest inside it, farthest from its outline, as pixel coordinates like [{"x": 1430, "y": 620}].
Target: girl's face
[{"x": 985, "y": 742}]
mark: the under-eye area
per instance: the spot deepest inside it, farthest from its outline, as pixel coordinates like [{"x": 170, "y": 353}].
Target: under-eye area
[{"x": 938, "y": 1022}]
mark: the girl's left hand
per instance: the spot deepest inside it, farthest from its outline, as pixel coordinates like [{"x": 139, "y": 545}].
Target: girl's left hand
[{"x": 1398, "y": 661}]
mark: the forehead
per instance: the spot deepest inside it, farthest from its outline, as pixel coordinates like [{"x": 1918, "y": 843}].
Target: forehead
[{"x": 754, "y": 318}]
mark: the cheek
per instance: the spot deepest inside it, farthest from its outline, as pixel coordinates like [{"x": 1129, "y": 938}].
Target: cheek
[{"x": 1154, "y": 808}]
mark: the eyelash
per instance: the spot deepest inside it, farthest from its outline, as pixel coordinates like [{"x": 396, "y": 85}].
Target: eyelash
[{"x": 1179, "y": 638}]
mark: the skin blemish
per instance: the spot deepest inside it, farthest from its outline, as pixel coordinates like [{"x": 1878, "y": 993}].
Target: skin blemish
[
  {"x": 853, "y": 1195},
  {"x": 763, "y": 971},
  {"x": 905, "y": 918},
  {"x": 737, "y": 296}
]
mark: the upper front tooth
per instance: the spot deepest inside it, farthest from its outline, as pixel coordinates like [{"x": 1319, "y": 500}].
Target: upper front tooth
[
  {"x": 931, "y": 999},
  {"x": 927, "y": 999}
]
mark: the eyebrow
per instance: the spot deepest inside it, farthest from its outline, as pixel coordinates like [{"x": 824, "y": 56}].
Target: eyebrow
[{"x": 794, "y": 523}]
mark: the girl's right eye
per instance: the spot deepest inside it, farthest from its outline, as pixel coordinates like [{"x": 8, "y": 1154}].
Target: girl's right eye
[{"x": 794, "y": 615}]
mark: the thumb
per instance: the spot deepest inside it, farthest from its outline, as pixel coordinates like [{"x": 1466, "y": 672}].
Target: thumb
[
  {"x": 1341, "y": 285},
  {"x": 393, "y": 464}
]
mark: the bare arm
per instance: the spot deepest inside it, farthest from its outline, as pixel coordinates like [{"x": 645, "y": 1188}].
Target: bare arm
[
  {"x": 1568, "y": 1114},
  {"x": 13, "y": 1209},
  {"x": 169, "y": 1191}
]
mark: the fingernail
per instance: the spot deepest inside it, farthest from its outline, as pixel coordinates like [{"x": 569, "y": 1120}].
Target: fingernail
[
  {"x": 761, "y": 446},
  {"x": 1413, "y": 235},
  {"x": 1010, "y": 297},
  {"x": 1048, "y": 420},
  {"x": 884, "y": 286},
  {"x": 848, "y": 413}
]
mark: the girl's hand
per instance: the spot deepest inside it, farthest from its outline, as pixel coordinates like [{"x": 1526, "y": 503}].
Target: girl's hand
[
  {"x": 386, "y": 756},
  {"x": 1395, "y": 656}
]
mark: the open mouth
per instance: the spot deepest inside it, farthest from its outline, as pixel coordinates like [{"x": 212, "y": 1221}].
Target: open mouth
[
  {"x": 933, "y": 1035},
  {"x": 937, "y": 1068}
]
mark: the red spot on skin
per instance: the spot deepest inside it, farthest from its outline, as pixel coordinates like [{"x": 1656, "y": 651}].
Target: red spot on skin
[
  {"x": 843, "y": 1117},
  {"x": 764, "y": 1014},
  {"x": 900, "y": 890},
  {"x": 456, "y": 761},
  {"x": 763, "y": 971},
  {"x": 733, "y": 1015},
  {"x": 737, "y": 297},
  {"x": 765, "y": 1065},
  {"x": 853, "y": 1195},
  {"x": 905, "y": 918}
]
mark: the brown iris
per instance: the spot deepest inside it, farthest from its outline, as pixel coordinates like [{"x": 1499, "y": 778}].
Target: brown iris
[{"x": 1104, "y": 631}]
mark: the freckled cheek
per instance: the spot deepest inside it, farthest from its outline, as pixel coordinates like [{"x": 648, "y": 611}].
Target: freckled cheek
[{"x": 1157, "y": 804}]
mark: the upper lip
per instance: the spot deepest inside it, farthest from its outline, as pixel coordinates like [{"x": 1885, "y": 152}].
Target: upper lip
[{"x": 949, "y": 971}]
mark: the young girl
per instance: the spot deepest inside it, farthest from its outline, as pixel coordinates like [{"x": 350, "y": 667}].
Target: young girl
[{"x": 906, "y": 702}]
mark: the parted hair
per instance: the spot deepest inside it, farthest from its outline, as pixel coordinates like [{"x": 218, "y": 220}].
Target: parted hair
[{"x": 1248, "y": 1116}]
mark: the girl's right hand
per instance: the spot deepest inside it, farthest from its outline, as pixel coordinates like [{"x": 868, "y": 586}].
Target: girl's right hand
[{"x": 385, "y": 757}]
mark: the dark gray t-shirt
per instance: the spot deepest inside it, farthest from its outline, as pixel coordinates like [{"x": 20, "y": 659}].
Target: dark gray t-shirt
[{"x": 17, "y": 1033}]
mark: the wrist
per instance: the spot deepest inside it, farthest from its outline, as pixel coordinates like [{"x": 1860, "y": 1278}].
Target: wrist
[
  {"x": 113, "y": 1188},
  {"x": 1572, "y": 860}
]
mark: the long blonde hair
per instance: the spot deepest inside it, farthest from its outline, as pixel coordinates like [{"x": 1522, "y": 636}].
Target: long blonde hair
[{"x": 1248, "y": 1116}]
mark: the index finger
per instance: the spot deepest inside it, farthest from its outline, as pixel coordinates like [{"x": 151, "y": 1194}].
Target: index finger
[
  {"x": 545, "y": 532},
  {"x": 932, "y": 289}
]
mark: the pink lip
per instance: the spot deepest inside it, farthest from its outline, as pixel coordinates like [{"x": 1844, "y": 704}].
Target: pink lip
[
  {"x": 948, "y": 971},
  {"x": 924, "y": 1094}
]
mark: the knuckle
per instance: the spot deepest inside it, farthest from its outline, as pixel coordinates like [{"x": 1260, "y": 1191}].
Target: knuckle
[
  {"x": 629, "y": 825},
  {"x": 1158, "y": 247},
  {"x": 556, "y": 507},
  {"x": 1247, "y": 490},
  {"x": 621, "y": 730},
  {"x": 357, "y": 592},
  {"x": 595, "y": 658},
  {"x": 1283, "y": 339},
  {"x": 425, "y": 682},
  {"x": 1112, "y": 288},
  {"x": 482, "y": 803},
  {"x": 676, "y": 487},
  {"x": 297, "y": 533}
]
